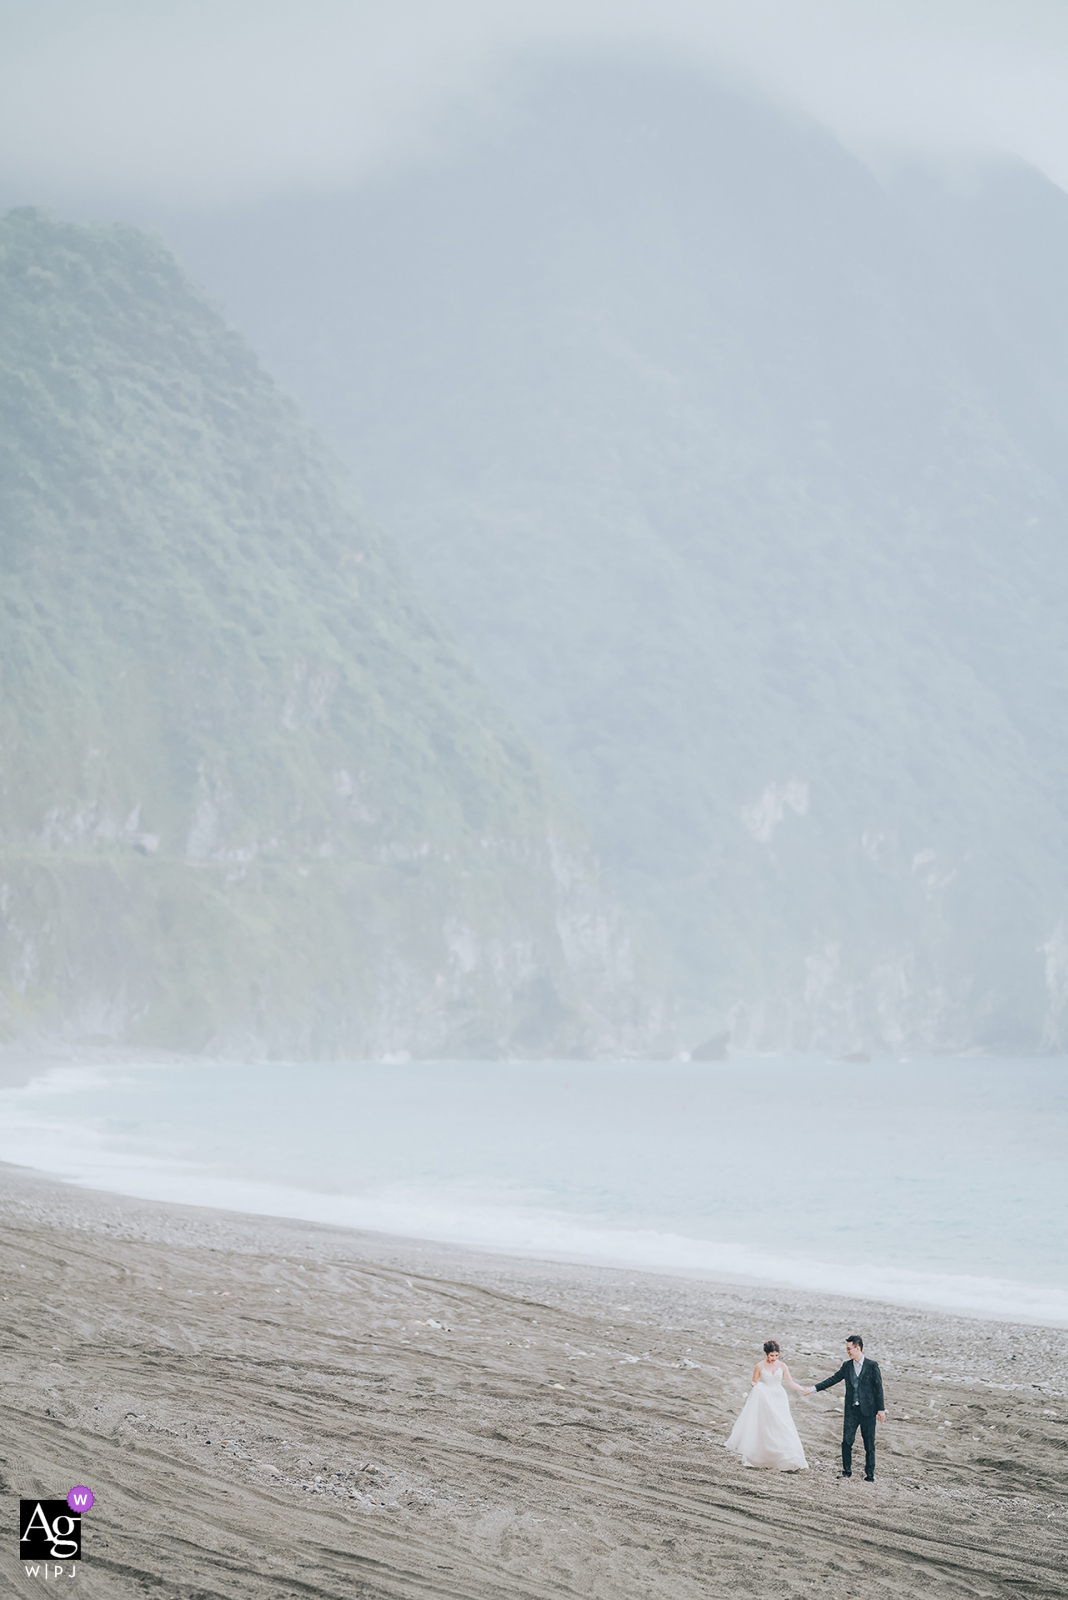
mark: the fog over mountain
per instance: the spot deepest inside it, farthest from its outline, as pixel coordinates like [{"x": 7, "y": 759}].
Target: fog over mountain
[
  {"x": 740, "y": 477},
  {"x": 253, "y": 799}
]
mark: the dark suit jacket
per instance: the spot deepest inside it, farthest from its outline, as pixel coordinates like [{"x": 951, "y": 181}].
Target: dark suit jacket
[{"x": 870, "y": 1386}]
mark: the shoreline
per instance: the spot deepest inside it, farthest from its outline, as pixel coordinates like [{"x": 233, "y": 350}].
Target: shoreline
[
  {"x": 297, "y": 1407},
  {"x": 557, "y": 1236},
  {"x": 21, "y": 1062},
  {"x": 698, "y": 1274}
]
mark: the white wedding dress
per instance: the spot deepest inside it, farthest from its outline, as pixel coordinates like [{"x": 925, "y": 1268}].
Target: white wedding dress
[{"x": 764, "y": 1435}]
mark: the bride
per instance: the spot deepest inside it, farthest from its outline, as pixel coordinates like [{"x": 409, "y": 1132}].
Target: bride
[{"x": 764, "y": 1435}]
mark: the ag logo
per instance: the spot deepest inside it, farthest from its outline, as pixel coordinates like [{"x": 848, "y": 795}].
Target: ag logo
[{"x": 49, "y": 1531}]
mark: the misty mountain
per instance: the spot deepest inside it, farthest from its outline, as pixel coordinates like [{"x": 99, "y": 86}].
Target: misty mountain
[
  {"x": 740, "y": 476},
  {"x": 253, "y": 799}
]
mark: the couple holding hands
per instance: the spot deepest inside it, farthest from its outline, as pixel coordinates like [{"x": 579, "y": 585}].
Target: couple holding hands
[{"x": 765, "y": 1435}]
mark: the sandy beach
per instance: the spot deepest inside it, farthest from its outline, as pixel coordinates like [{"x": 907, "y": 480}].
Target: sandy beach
[{"x": 278, "y": 1409}]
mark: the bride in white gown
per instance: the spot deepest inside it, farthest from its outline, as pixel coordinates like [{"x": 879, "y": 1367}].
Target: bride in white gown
[{"x": 764, "y": 1435}]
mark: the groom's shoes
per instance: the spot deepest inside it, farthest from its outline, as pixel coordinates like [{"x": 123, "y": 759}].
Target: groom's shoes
[
  {"x": 867, "y": 1479},
  {"x": 845, "y": 1474}
]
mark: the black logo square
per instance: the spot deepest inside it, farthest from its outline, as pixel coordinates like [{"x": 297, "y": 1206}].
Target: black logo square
[{"x": 49, "y": 1531}]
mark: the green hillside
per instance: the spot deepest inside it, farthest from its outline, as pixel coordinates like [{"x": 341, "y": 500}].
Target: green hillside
[
  {"x": 251, "y": 798},
  {"x": 742, "y": 478}
]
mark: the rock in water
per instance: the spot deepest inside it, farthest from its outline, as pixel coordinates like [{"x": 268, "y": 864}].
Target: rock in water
[{"x": 714, "y": 1049}]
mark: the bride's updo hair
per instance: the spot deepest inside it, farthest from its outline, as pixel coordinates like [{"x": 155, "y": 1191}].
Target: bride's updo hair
[{"x": 769, "y": 1346}]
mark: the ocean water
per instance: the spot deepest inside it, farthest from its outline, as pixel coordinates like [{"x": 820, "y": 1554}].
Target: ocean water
[{"x": 939, "y": 1182}]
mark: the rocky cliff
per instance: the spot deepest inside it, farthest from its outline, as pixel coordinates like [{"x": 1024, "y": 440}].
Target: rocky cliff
[
  {"x": 741, "y": 476},
  {"x": 252, "y": 799}
]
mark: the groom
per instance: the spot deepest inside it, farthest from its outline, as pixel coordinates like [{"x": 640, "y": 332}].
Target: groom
[{"x": 863, "y": 1403}]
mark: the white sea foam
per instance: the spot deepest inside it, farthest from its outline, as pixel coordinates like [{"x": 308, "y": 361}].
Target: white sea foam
[{"x": 468, "y": 1204}]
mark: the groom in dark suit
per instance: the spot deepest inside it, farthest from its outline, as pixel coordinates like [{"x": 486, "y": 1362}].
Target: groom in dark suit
[{"x": 863, "y": 1404}]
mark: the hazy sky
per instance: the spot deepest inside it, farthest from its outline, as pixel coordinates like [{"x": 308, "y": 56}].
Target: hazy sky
[{"x": 197, "y": 102}]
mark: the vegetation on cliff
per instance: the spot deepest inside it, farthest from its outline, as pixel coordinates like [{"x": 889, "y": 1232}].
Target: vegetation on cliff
[
  {"x": 251, "y": 797},
  {"x": 741, "y": 476}
]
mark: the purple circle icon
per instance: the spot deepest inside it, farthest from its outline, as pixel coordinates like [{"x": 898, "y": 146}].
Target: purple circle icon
[{"x": 81, "y": 1498}]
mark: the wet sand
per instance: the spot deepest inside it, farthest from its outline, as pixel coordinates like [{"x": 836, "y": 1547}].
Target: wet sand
[{"x": 278, "y": 1409}]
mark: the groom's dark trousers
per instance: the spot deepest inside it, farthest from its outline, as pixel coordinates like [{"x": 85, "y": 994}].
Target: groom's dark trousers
[
  {"x": 851, "y": 1420},
  {"x": 863, "y": 1398}
]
